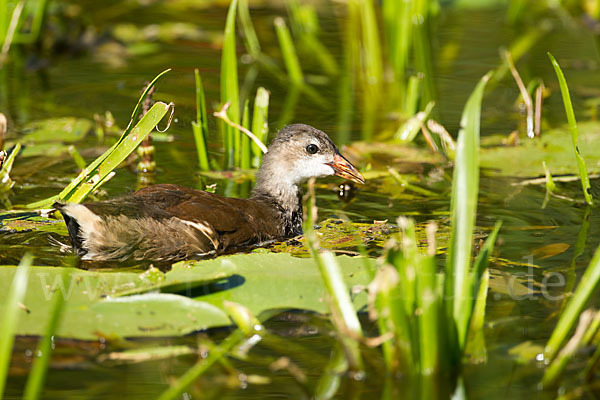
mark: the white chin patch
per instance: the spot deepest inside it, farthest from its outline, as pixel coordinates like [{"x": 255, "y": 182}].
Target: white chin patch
[{"x": 313, "y": 170}]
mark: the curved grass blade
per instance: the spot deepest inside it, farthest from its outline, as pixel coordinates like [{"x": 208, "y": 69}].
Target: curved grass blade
[
  {"x": 85, "y": 175},
  {"x": 564, "y": 89},
  {"x": 344, "y": 316},
  {"x": 587, "y": 285},
  {"x": 465, "y": 185},
  {"x": 97, "y": 176},
  {"x": 11, "y": 316},
  {"x": 37, "y": 376}
]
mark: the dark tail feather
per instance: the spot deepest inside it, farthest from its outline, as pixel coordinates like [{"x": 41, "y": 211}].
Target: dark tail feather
[{"x": 73, "y": 228}]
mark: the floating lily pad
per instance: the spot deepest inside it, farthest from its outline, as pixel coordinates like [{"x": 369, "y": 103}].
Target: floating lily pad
[
  {"x": 554, "y": 147},
  {"x": 259, "y": 281}
]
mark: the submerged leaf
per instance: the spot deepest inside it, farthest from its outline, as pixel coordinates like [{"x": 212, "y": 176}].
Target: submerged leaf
[{"x": 66, "y": 130}]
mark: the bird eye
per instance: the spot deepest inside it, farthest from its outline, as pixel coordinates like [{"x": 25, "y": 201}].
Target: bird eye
[{"x": 312, "y": 148}]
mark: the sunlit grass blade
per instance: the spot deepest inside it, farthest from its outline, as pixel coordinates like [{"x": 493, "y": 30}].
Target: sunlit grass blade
[
  {"x": 587, "y": 285},
  {"x": 37, "y": 376},
  {"x": 288, "y": 52},
  {"x": 9, "y": 36},
  {"x": 344, "y": 316},
  {"x": 260, "y": 123},
  {"x": 229, "y": 84},
  {"x": 413, "y": 94},
  {"x": 564, "y": 89},
  {"x": 371, "y": 43},
  {"x": 96, "y": 176},
  {"x": 10, "y": 319},
  {"x": 119, "y": 150},
  {"x": 558, "y": 364},
  {"x": 200, "y": 126},
  {"x": 465, "y": 188},
  {"x": 4, "y": 19}
]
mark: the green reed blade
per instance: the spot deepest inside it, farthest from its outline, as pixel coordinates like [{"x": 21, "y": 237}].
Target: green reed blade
[
  {"x": 564, "y": 89},
  {"x": 475, "y": 350},
  {"x": 37, "y": 376},
  {"x": 39, "y": 15},
  {"x": 465, "y": 187},
  {"x": 288, "y": 52},
  {"x": 4, "y": 20},
  {"x": 483, "y": 258},
  {"x": 479, "y": 282},
  {"x": 249, "y": 33},
  {"x": 229, "y": 85},
  {"x": 76, "y": 156},
  {"x": 245, "y": 140},
  {"x": 200, "y": 126},
  {"x": 587, "y": 285},
  {"x": 344, "y": 316},
  {"x": 85, "y": 175},
  {"x": 8, "y": 322},
  {"x": 371, "y": 43},
  {"x": 260, "y": 124},
  {"x": 118, "y": 154},
  {"x": 559, "y": 363},
  {"x": 413, "y": 94}
]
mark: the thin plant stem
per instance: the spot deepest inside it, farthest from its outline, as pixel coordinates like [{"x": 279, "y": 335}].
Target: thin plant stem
[{"x": 222, "y": 114}]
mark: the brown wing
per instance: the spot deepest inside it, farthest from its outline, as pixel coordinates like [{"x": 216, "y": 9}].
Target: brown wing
[{"x": 233, "y": 220}]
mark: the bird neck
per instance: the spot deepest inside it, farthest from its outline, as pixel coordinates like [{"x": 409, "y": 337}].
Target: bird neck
[
  {"x": 287, "y": 197},
  {"x": 274, "y": 188}
]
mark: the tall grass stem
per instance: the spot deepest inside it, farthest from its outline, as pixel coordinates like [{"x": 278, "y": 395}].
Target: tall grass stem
[{"x": 564, "y": 89}]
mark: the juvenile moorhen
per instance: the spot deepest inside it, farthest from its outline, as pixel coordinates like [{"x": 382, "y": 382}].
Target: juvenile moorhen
[{"x": 170, "y": 222}]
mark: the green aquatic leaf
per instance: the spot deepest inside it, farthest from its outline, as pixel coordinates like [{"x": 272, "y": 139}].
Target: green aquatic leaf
[
  {"x": 279, "y": 281},
  {"x": 96, "y": 305},
  {"x": 66, "y": 130},
  {"x": 155, "y": 314}
]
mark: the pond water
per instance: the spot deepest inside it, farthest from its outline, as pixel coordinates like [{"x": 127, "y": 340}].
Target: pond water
[{"x": 96, "y": 74}]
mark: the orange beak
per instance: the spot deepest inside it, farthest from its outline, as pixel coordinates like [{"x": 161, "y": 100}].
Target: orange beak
[{"x": 344, "y": 169}]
